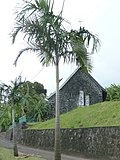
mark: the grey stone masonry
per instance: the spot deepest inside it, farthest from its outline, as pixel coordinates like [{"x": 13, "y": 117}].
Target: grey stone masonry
[
  {"x": 80, "y": 89},
  {"x": 101, "y": 142}
]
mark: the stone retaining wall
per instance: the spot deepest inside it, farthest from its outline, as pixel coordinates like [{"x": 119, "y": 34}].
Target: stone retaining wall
[{"x": 92, "y": 142}]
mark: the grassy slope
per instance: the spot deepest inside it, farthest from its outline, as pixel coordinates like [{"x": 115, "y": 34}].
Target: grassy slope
[
  {"x": 7, "y": 154},
  {"x": 101, "y": 114}
]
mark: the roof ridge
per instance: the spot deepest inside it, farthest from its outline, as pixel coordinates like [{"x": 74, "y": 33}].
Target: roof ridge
[
  {"x": 64, "y": 82},
  {"x": 71, "y": 75}
]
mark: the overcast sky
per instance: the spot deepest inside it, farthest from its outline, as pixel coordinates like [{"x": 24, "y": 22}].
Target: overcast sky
[{"x": 101, "y": 17}]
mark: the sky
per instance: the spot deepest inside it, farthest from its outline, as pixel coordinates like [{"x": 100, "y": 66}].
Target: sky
[{"x": 101, "y": 17}]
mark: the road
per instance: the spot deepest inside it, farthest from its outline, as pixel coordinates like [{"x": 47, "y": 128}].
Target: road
[{"x": 48, "y": 155}]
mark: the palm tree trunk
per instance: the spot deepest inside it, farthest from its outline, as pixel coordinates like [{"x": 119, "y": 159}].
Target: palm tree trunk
[
  {"x": 57, "y": 118},
  {"x": 15, "y": 150}
]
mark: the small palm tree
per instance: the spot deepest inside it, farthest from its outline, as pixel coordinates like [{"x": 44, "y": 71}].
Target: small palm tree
[
  {"x": 13, "y": 97},
  {"x": 47, "y": 37}
]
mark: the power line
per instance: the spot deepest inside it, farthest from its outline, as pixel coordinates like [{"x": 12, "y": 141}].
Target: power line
[{"x": 37, "y": 73}]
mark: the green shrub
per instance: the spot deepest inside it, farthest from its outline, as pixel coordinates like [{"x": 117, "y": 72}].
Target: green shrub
[{"x": 113, "y": 92}]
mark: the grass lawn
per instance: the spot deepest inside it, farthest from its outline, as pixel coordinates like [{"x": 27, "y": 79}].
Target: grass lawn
[
  {"x": 101, "y": 114},
  {"x": 7, "y": 154}
]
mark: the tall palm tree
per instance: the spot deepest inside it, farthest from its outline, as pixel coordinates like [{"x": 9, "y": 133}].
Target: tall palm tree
[{"x": 47, "y": 37}]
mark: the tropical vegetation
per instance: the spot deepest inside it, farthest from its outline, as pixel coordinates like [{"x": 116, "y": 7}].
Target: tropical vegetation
[
  {"x": 14, "y": 98},
  {"x": 50, "y": 40},
  {"x": 113, "y": 92},
  {"x": 31, "y": 100}
]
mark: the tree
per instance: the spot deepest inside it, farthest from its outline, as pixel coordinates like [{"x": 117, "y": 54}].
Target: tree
[
  {"x": 12, "y": 97},
  {"x": 34, "y": 88},
  {"x": 5, "y": 115},
  {"x": 47, "y": 37},
  {"x": 32, "y": 99},
  {"x": 113, "y": 92},
  {"x": 41, "y": 108},
  {"x": 21, "y": 95},
  {"x": 5, "y": 108}
]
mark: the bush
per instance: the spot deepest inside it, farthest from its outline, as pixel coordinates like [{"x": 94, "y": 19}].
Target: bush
[{"x": 113, "y": 92}]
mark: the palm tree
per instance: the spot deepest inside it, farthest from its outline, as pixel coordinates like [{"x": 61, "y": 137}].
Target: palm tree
[
  {"x": 13, "y": 97},
  {"x": 47, "y": 37}
]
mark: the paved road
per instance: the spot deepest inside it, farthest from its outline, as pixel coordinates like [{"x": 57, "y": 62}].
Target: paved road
[{"x": 48, "y": 155}]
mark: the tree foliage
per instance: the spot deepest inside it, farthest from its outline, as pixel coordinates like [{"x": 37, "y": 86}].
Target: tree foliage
[
  {"x": 5, "y": 115},
  {"x": 113, "y": 92},
  {"x": 10, "y": 96},
  {"x": 50, "y": 40},
  {"x": 41, "y": 108},
  {"x": 29, "y": 98}
]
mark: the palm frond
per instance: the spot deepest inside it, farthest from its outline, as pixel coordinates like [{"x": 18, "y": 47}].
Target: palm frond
[
  {"x": 46, "y": 35},
  {"x": 15, "y": 33},
  {"x": 81, "y": 41},
  {"x": 24, "y": 50},
  {"x": 88, "y": 37}
]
